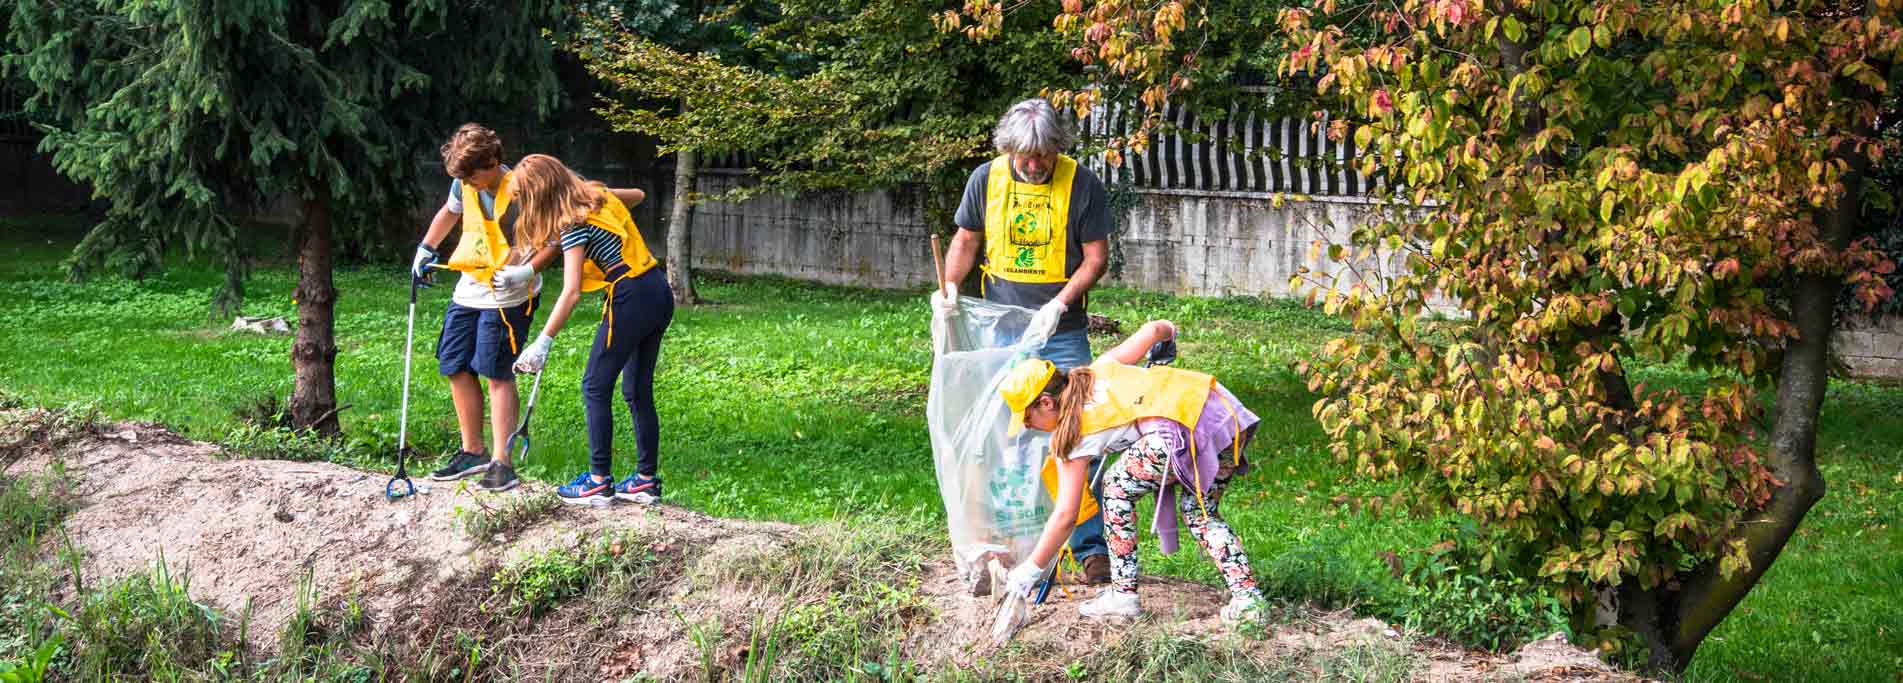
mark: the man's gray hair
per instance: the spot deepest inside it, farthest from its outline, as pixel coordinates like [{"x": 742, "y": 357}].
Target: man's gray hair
[{"x": 1031, "y": 127}]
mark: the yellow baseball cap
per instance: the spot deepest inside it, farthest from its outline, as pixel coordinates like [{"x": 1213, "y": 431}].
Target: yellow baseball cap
[{"x": 1021, "y": 387}]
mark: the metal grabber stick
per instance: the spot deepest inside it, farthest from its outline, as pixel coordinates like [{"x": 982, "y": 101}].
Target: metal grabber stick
[
  {"x": 521, "y": 433},
  {"x": 403, "y": 450}
]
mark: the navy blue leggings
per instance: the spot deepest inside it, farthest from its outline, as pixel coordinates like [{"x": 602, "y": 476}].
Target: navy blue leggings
[{"x": 643, "y": 307}]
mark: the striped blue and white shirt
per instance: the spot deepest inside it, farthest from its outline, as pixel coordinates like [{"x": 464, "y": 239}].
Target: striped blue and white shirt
[{"x": 601, "y": 246}]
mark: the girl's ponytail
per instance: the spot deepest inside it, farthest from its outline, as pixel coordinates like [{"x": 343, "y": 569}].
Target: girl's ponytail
[{"x": 1070, "y": 410}]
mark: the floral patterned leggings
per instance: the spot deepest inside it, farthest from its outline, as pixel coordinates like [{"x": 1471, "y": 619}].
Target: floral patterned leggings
[{"x": 1142, "y": 472}]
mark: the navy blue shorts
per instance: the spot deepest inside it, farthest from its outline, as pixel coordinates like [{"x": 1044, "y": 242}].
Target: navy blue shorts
[{"x": 477, "y": 340}]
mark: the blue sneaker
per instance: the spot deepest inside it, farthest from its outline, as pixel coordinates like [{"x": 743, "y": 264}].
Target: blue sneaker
[
  {"x": 639, "y": 489},
  {"x": 584, "y": 490}
]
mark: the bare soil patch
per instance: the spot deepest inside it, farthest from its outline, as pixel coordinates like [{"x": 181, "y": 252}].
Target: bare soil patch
[{"x": 249, "y": 532}]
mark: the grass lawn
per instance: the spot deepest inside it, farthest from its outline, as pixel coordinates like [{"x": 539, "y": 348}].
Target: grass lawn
[{"x": 798, "y": 402}]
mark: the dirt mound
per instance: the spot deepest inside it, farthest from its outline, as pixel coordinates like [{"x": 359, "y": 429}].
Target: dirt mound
[{"x": 249, "y": 533}]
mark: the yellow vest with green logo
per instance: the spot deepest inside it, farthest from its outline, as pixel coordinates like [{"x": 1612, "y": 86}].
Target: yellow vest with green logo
[
  {"x": 482, "y": 250},
  {"x": 1124, "y": 394},
  {"x": 1027, "y": 227}
]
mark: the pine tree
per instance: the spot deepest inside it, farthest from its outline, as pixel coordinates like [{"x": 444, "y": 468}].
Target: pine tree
[{"x": 187, "y": 116}]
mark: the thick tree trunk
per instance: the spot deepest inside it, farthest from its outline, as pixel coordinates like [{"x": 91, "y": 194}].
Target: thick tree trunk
[
  {"x": 680, "y": 231},
  {"x": 314, "y": 350},
  {"x": 1707, "y": 598}
]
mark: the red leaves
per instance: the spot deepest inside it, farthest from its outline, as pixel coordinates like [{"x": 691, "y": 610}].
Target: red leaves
[
  {"x": 1679, "y": 218},
  {"x": 1454, "y": 11},
  {"x": 1725, "y": 269}
]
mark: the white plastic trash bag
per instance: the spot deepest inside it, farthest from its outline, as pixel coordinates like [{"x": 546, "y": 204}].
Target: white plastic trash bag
[{"x": 995, "y": 504}]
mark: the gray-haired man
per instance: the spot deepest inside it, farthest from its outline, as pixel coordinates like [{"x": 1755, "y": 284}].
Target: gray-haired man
[{"x": 1043, "y": 224}]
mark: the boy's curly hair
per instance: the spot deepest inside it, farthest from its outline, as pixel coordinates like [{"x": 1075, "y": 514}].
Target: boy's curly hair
[{"x": 471, "y": 148}]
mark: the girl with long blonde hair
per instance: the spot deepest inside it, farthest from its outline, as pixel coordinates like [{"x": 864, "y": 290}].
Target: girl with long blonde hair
[
  {"x": 1181, "y": 435},
  {"x": 601, "y": 250}
]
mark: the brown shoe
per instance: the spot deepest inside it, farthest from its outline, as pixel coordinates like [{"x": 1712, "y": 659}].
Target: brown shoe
[{"x": 1096, "y": 570}]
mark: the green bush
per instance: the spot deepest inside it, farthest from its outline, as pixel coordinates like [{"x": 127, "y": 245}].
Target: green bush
[{"x": 1446, "y": 594}]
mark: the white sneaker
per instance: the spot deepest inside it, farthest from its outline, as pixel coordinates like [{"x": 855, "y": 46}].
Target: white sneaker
[
  {"x": 1243, "y": 608},
  {"x": 1111, "y": 604}
]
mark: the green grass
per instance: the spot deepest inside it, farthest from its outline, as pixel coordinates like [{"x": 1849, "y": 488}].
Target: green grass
[{"x": 797, "y": 402}]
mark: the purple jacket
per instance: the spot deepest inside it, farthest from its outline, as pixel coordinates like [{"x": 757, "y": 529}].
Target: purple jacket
[{"x": 1223, "y": 417}]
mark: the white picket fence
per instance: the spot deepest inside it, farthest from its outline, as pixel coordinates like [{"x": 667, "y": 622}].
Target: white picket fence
[{"x": 1237, "y": 153}]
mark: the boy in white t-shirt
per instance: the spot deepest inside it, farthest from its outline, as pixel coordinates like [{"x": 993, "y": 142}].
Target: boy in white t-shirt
[{"x": 486, "y": 323}]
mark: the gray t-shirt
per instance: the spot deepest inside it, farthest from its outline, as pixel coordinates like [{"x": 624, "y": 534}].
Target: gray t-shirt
[{"x": 1089, "y": 221}]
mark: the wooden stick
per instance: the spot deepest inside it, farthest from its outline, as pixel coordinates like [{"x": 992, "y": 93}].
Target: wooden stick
[{"x": 938, "y": 263}]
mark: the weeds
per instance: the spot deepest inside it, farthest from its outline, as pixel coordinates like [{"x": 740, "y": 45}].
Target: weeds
[
  {"x": 1157, "y": 655},
  {"x": 315, "y": 639},
  {"x": 706, "y": 644},
  {"x": 31, "y": 508},
  {"x": 146, "y": 626},
  {"x": 35, "y": 666},
  {"x": 535, "y": 584},
  {"x": 855, "y": 593},
  {"x": 1369, "y": 660},
  {"x": 513, "y": 514},
  {"x": 1492, "y": 612},
  {"x": 296, "y": 445}
]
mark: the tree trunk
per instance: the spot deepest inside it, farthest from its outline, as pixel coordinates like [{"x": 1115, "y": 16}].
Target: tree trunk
[
  {"x": 680, "y": 232},
  {"x": 1707, "y": 597},
  {"x": 314, "y": 350}
]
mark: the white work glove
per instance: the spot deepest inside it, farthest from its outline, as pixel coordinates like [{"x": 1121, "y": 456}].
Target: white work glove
[
  {"x": 419, "y": 267},
  {"x": 1045, "y": 322},
  {"x": 1023, "y": 580},
  {"x": 512, "y": 277},
  {"x": 535, "y": 356},
  {"x": 945, "y": 301}
]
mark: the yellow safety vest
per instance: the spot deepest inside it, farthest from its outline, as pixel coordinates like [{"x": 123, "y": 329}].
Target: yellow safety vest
[
  {"x": 1027, "y": 227},
  {"x": 1124, "y": 394},
  {"x": 613, "y": 217},
  {"x": 482, "y": 250}
]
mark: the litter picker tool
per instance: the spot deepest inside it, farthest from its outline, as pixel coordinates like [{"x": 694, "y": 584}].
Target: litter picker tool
[
  {"x": 400, "y": 485},
  {"x": 518, "y": 445}
]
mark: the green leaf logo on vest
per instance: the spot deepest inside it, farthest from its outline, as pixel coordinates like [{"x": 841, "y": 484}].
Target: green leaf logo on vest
[
  {"x": 1030, "y": 220},
  {"x": 1027, "y": 258}
]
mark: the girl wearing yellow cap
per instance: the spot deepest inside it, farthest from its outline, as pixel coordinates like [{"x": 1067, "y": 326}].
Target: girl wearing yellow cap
[{"x": 1181, "y": 434}]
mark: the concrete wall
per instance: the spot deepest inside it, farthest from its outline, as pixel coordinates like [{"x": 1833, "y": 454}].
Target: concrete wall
[
  {"x": 1871, "y": 348},
  {"x": 1212, "y": 244},
  {"x": 868, "y": 239},
  {"x": 1181, "y": 242}
]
